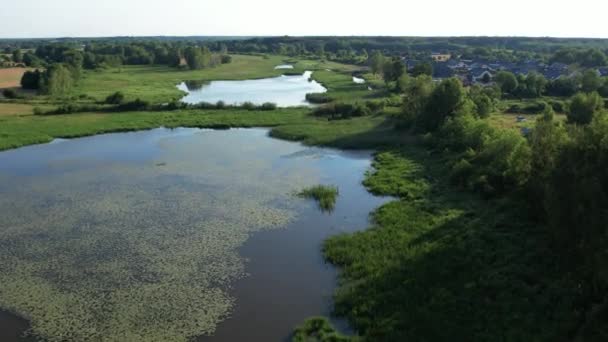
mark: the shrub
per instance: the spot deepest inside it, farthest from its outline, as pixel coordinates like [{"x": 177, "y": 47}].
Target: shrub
[
  {"x": 375, "y": 106},
  {"x": 116, "y": 98},
  {"x": 529, "y": 108},
  {"x": 133, "y": 105},
  {"x": 248, "y": 105},
  {"x": 558, "y": 106},
  {"x": 318, "y": 98},
  {"x": 9, "y": 94},
  {"x": 268, "y": 106},
  {"x": 220, "y": 105},
  {"x": 226, "y": 59},
  {"x": 342, "y": 110},
  {"x": 319, "y": 329}
]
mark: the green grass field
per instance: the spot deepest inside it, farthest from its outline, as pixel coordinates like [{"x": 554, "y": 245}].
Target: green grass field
[{"x": 157, "y": 84}]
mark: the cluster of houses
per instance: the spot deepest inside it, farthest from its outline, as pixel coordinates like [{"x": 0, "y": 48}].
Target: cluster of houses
[{"x": 483, "y": 72}]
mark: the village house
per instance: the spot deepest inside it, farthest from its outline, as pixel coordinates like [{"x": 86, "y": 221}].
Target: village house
[{"x": 440, "y": 57}]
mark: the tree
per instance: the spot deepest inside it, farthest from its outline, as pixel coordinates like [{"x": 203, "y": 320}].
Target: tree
[
  {"x": 73, "y": 59},
  {"x": 194, "y": 58},
  {"x": 590, "y": 81},
  {"x": 31, "y": 79},
  {"x": 376, "y": 62},
  {"x": 174, "y": 58},
  {"x": 393, "y": 69},
  {"x": 533, "y": 86},
  {"x": 592, "y": 58},
  {"x": 17, "y": 56},
  {"x": 583, "y": 107},
  {"x": 31, "y": 60},
  {"x": 444, "y": 101},
  {"x": 483, "y": 104},
  {"x": 576, "y": 203},
  {"x": 422, "y": 69},
  {"x": 546, "y": 142},
  {"x": 487, "y": 78},
  {"x": 417, "y": 91},
  {"x": 563, "y": 86},
  {"x": 58, "y": 80},
  {"x": 507, "y": 81}
]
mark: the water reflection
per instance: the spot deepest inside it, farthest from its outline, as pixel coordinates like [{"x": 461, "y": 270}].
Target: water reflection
[{"x": 285, "y": 91}]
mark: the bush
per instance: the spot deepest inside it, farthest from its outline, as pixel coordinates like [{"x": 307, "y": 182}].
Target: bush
[
  {"x": 10, "y": 94},
  {"x": 116, "y": 98},
  {"x": 320, "y": 330},
  {"x": 133, "y": 105},
  {"x": 226, "y": 59},
  {"x": 248, "y": 105},
  {"x": 318, "y": 98},
  {"x": 558, "y": 106},
  {"x": 375, "y": 106},
  {"x": 341, "y": 110},
  {"x": 268, "y": 106},
  {"x": 528, "y": 108}
]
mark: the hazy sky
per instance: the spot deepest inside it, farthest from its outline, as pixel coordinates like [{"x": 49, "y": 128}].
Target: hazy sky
[{"x": 77, "y": 18}]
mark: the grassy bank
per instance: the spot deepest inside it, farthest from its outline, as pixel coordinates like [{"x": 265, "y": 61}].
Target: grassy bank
[
  {"x": 441, "y": 264},
  {"x": 18, "y": 131}
]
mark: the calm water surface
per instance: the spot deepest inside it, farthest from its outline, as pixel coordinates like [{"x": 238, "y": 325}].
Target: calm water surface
[
  {"x": 358, "y": 80},
  {"x": 200, "y": 224},
  {"x": 285, "y": 91}
]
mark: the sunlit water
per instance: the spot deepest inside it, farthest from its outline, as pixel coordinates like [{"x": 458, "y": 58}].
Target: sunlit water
[
  {"x": 166, "y": 235},
  {"x": 285, "y": 91}
]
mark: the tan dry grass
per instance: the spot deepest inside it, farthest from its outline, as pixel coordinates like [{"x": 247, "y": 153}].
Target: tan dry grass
[{"x": 11, "y": 77}]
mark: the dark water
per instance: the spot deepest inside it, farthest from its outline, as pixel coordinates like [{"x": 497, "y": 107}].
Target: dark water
[
  {"x": 285, "y": 91},
  {"x": 123, "y": 187}
]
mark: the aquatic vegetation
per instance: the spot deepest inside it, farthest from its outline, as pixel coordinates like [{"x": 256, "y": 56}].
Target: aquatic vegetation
[
  {"x": 119, "y": 251},
  {"x": 325, "y": 195},
  {"x": 318, "y": 329}
]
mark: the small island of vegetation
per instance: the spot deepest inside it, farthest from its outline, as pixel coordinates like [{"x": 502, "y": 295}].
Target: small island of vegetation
[{"x": 325, "y": 195}]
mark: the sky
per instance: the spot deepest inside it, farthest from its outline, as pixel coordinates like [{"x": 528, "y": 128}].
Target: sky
[{"x": 97, "y": 18}]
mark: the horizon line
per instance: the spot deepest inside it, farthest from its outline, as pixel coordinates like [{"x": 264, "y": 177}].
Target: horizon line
[{"x": 298, "y": 36}]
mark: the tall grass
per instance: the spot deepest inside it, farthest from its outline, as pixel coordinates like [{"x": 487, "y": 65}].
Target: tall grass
[{"x": 325, "y": 195}]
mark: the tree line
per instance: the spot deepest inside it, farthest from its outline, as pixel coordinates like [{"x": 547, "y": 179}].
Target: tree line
[
  {"x": 60, "y": 66},
  {"x": 558, "y": 169}
]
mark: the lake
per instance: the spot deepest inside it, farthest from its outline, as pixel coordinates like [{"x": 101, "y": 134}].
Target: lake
[
  {"x": 285, "y": 91},
  {"x": 171, "y": 234},
  {"x": 358, "y": 80}
]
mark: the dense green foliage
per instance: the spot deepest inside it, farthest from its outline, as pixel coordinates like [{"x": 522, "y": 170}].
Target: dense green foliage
[
  {"x": 584, "y": 106},
  {"x": 318, "y": 329}
]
